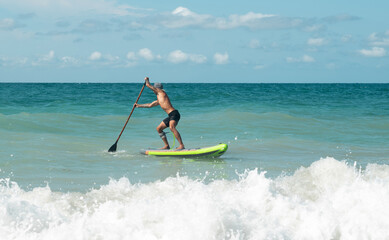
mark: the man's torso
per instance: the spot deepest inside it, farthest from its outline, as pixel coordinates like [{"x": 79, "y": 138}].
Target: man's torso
[{"x": 164, "y": 102}]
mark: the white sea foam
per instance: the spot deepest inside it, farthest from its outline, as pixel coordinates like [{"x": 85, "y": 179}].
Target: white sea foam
[{"x": 327, "y": 200}]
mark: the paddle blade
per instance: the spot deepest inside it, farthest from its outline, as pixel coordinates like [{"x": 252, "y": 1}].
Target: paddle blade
[{"x": 113, "y": 147}]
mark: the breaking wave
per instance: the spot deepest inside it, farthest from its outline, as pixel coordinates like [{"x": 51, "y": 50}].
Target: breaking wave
[{"x": 327, "y": 200}]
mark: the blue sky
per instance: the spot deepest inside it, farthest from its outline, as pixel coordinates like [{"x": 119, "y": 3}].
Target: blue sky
[{"x": 194, "y": 41}]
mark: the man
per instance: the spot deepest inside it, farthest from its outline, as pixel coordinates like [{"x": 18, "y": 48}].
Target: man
[{"x": 173, "y": 115}]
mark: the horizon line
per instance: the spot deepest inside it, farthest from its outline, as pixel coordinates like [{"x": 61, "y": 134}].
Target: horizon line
[{"x": 207, "y": 82}]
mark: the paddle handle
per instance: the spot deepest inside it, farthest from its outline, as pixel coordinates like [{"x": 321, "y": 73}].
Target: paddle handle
[{"x": 131, "y": 111}]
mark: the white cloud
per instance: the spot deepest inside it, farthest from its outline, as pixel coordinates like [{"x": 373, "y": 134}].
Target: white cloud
[
  {"x": 304, "y": 59},
  {"x": 198, "y": 58},
  {"x": 379, "y": 39},
  {"x": 374, "y": 52},
  {"x": 44, "y": 59},
  {"x": 12, "y": 62},
  {"x": 314, "y": 28},
  {"x": 69, "y": 60},
  {"x": 251, "y": 20},
  {"x": 48, "y": 57},
  {"x": 307, "y": 59},
  {"x": 381, "y": 43},
  {"x": 143, "y": 53},
  {"x": 131, "y": 56},
  {"x": 291, "y": 60},
  {"x": 105, "y": 59},
  {"x": 95, "y": 56},
  {"x": 316, "y": 41},
  {"x": 183, "y": 17},
  {"x": 221, "y": 58},
  {"x": 7, "y": 23},
  {"x": 111, "y": 58},
  {"x": 181, "y": 11},
  {"x": 179, "y": 56},
  {"x": 146, "y": 54}
]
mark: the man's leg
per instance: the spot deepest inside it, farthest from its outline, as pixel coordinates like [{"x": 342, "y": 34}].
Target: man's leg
[
  {"x": 160, "y": 129},
  {"x": 172, "y": 125}
]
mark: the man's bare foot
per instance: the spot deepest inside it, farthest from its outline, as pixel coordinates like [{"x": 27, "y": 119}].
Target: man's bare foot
[
  {"x": 180, "y": 147},
  {"x": 165, "y": 147}
]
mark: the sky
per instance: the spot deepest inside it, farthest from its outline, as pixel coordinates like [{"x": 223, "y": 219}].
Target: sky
[{"x": 173, "y": 41}]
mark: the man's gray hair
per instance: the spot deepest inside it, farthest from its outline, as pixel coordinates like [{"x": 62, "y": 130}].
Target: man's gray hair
[{"x": 158, "y": 85}]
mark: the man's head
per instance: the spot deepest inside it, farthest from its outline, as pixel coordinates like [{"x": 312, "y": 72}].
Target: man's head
[{"x": 158, "y": 85}]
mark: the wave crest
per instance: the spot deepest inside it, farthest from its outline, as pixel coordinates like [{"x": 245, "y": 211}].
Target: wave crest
[{"x": 327, "y": 200}]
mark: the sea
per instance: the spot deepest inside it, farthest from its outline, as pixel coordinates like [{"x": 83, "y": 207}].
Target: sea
[{"x": 304, "y": 161}]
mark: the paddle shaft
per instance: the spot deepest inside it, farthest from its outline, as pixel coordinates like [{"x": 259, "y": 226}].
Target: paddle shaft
[{"x": 131, "y": 112}]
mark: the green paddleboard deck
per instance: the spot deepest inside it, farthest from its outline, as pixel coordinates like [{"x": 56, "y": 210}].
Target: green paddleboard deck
[{"x": 214, "y": 151}]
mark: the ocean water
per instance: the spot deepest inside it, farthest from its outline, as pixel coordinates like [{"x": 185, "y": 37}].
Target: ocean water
[{"x": 305, "y": 161}]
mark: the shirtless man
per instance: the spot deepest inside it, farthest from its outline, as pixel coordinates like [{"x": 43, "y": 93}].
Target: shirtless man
[{"x": 173, "y": 115}]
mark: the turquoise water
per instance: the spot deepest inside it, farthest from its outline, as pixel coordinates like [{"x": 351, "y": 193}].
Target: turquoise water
[{"x": 305, "y": 144}]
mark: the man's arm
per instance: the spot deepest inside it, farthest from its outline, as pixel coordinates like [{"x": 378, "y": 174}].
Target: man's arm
[
  {"x": 150, "y": 86},
  {"x": 147, "y": 105}
]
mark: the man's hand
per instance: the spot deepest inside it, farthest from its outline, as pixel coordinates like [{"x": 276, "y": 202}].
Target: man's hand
[
  {"x": 136, "y": 105},
  {"x": 147, "y": 81}
]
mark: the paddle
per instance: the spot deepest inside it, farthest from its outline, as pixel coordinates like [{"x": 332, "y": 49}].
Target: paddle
[{"x": 114, "y": 146}]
